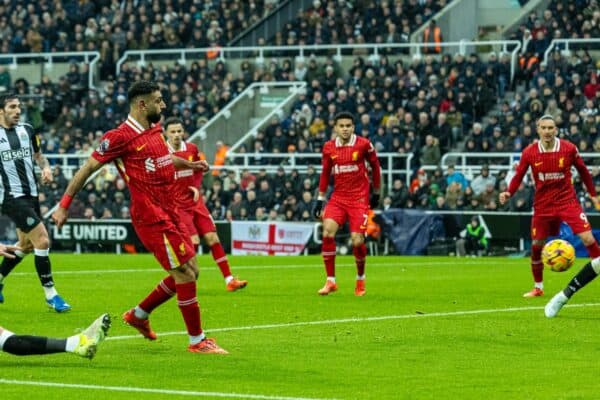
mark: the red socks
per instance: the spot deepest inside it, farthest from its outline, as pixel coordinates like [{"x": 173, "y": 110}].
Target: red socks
[
  {"x": 360, "y": 253},
  {"x": 163, "y": 292},
  {"x": 593, "y": 250},
  {"x": 221, "y": 259},
  {"x": 188, "y": 305},
  {"x": 328, "y": 253},
  {"x": 537, "y": 268}
]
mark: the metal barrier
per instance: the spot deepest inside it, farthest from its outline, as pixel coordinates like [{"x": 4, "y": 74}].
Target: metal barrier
[
  {"x": 555, "y": 43},
  {"x": 89, "y": 57},
  {"x": 373, "y": 51}
]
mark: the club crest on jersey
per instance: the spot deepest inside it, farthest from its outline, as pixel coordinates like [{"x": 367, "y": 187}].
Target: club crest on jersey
[
  {"x": 355, "y": 156},
  {"x": 103, "y": 146},
  {"x": 561, "y": 162},
  {"x": 23, "y": 136}
]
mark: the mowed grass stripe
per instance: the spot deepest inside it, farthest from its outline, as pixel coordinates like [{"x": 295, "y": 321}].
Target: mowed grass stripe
[{"x": 364, "y": 319}]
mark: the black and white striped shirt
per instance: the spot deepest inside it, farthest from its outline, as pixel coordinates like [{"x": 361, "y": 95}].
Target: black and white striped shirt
[{"x": 17, "y": 147}]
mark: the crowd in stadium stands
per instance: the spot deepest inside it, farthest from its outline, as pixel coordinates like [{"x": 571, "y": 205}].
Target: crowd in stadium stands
[
  {"x": 345, "y": 22},
  {"x": 426, "y": 106},
  {"x": 113, "y": 26}
]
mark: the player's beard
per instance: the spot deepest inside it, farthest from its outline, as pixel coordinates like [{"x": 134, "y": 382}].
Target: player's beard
[{"x": 154, "y": 118}]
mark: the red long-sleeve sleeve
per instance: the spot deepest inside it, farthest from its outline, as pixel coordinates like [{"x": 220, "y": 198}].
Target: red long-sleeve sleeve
[
  {"x": 325, "y": 173},
  {"x": 375, "y": 169},
  {"x": 586, "y": 177},
  {"x": 519, "y": 174}
]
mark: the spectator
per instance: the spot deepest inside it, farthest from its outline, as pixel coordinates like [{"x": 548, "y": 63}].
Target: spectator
[{"x": 484, "y": 179}]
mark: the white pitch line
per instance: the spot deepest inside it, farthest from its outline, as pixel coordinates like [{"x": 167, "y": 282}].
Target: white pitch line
[
  {"x": 206, "y": 268},
  {"x": 365, "y": 319},
  {"x": 155, "y": 391}
]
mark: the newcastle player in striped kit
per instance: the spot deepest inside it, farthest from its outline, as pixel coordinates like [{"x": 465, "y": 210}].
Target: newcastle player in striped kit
[{"x": 19, "y": 147}]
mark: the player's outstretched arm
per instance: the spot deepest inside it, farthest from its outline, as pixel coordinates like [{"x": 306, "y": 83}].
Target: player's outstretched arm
[
  {"x": 201, "y": 165},
  {"x": 79, "y": 179}
]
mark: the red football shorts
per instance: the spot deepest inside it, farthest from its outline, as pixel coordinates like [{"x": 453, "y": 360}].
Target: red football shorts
[
  {"x": 170, "y": 243},
  {"x": 198, "y": 220},
  {"x": 549, "y": 225},
  {"x": 355, "y": 214}
]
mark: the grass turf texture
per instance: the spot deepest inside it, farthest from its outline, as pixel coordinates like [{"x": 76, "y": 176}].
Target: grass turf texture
[{"x": 287, "y": 342}]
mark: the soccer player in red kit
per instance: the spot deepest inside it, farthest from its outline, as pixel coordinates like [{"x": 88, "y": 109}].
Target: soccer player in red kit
[
  {"x": 344, "y": 157},
  {"x": 551, "y": 159},
  {"x": 194, "y": 212},
  {"x": 140, "y": 153}
]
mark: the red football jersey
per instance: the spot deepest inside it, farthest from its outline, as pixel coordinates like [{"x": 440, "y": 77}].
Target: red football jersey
[
  {"x": 551, "y": 170},
  {"x": 186, "y": 177},
  {"x": 144, "y": 161},
  {"x": 347, "y": 164}
]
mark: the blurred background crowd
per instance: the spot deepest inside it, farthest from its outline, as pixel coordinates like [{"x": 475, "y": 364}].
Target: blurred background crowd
[{"x": 427, "y": 104}]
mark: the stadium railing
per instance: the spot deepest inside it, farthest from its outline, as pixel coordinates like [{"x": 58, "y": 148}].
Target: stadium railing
[
  {"x": 373, "y": 50},
  {"x": 49, "y": 59},
  {"x": 238, "y": 162},
  {"x": 469, "y": 163},
  {"x": 247, "y": 120},
  {"x": 565, "y": 46}
]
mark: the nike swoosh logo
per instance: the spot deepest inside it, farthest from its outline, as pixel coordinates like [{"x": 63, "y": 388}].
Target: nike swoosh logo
[
  {"x": 140, "y": 148},
  {"x": 537, "y": 164}
]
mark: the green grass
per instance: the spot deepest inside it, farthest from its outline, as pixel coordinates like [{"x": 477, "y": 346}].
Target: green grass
[{"x": 296, "y": 344}]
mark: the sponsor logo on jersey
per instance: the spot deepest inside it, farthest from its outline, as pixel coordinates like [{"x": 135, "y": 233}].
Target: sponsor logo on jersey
[
  {"x": 149, "y": 164},
  {"x": 344, "y": 169},
  {"x": 550, "y": 176},
  {"x": 10, "y": 155},
  {"x": 103, "y": 146},
  {"x": 164, "y": 161},
  {"x": 183, "y": 173}
]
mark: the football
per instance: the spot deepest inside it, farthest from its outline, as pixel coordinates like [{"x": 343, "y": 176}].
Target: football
[{"x": 558, "y": 255}]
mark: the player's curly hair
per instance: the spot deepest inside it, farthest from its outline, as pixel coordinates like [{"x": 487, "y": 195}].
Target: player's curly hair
[
  {"x": 343, "y": 115},
  {"x": 141, "y": 88}
]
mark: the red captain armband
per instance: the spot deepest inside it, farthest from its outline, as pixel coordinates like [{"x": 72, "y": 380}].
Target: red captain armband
[{"x": 65, "y": 201}]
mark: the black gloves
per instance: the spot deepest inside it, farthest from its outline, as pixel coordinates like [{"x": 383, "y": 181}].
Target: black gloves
[
  {"x": 374, "y": 200},
  {"x": 318, "y": 209}
]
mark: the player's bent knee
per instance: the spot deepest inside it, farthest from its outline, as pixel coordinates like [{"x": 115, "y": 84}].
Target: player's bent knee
[{"x": 211, "y": 238}]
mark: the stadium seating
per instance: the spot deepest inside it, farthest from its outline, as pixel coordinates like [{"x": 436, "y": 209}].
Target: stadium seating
[{"x": 465, "y": 103}]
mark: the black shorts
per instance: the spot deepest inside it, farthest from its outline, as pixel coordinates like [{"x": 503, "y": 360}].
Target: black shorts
[{"x": 24, "y": 211}]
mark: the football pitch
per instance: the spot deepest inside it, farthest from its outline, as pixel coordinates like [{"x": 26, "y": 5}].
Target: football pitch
[{"x": 428, "y": 327}]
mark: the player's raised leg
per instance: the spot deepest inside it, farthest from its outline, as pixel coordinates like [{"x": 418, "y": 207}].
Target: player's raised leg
[
  {"x": 588, "y": 273},
  {"x": 84, "y": 344},
  {"x": 218, "y": 253},
  {"x": 138, "y": 317}
]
